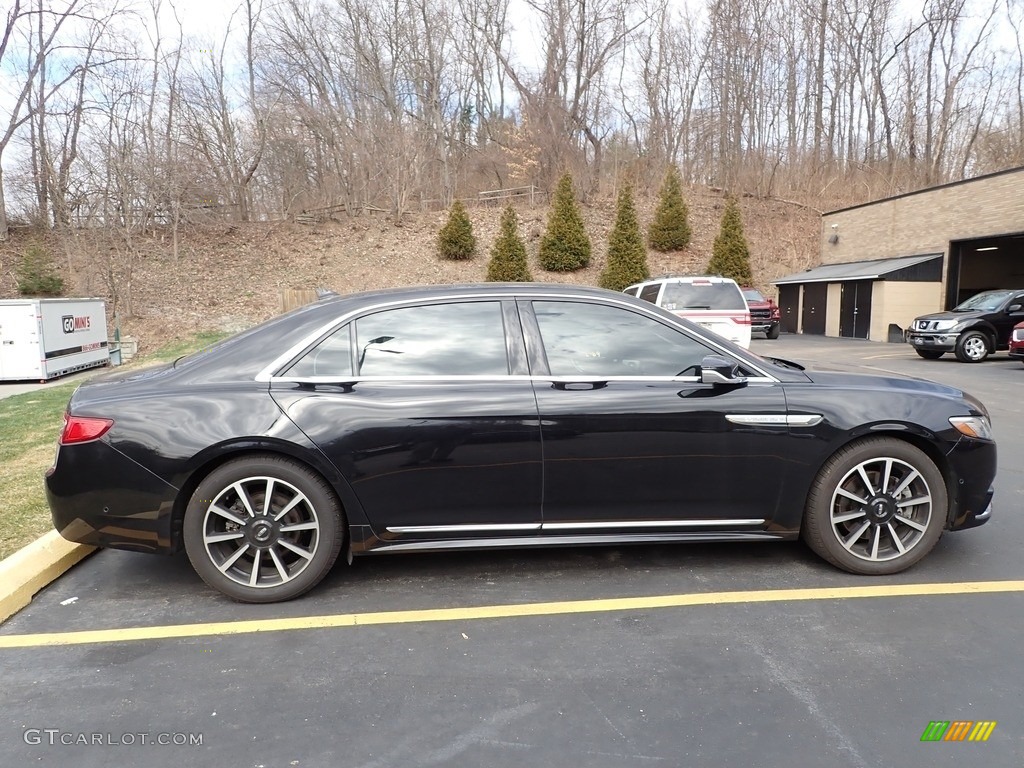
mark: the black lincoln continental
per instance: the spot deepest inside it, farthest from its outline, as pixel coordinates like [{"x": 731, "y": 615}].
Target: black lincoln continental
[{"x": 497, "y": 416}]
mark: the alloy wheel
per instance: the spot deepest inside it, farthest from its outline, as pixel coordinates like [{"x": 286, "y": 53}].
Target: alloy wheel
[
  {"x": 261, "y": 532},
  {"x": 975, "y": 348},
  {"x": 881, "y": 509}
]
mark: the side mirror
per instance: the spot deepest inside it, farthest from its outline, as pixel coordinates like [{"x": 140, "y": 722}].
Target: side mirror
[
  {"x": 716, "y": 369},
  {"x": 1013, "y": 308}
]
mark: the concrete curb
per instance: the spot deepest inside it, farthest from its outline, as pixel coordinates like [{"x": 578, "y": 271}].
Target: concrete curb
[{"x": 33, "y": 567}]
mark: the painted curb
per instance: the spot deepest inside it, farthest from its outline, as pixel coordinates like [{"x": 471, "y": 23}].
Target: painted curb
[{"x": 33, "y": 567}]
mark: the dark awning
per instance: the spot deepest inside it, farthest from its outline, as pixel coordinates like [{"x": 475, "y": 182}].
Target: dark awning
[{"x": 855, "y": 270}]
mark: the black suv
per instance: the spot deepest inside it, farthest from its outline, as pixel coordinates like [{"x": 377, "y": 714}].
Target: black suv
[{"x": 973, "y": 330}]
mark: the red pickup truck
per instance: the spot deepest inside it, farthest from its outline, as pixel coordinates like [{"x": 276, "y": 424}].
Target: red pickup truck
[
  {"x": 1017, "y": 342},
  {"x": 765, "y": 316}
]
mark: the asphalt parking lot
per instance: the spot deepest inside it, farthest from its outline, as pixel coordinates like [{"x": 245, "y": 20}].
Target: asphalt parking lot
[{"x": 696, "y": 655}]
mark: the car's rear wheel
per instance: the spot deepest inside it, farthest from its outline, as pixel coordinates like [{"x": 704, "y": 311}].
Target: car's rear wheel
[
  {"x": 930, "y": 354},
  {"x": 262, "y": 529},
  {"x": 877, "y": 507},
  {"x": 971, "y": 347},
  {"x": 773, "y": 332}
]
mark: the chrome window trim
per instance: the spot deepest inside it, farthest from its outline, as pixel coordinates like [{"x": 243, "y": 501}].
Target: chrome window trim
[
  {"x": 267, "y": 374},
  {"x": 440, "y": 377}
]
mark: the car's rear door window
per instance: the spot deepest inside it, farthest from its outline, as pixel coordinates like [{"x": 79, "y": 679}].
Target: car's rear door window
[
  {"x": 650, "y": 292},
  {"x": 331, "y": 358},
  {"x": 598, "y": 340},
  {"x": 457, "y": 339}
]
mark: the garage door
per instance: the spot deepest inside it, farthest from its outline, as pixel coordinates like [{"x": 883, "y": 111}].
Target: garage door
[
  {"x": 815, "y": 298},
  {"x": 855, "y": 309},
  {"x": 789, "y": 306}
]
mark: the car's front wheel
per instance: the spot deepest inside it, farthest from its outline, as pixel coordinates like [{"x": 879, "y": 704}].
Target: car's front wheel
[
  {"x": 971, "y": 347},
  {"x": 773, "y": 332},
  {"x": 262, "y": 529},
  {"x": 930, "y": 354},
  {"x": 877, "y": 507}
]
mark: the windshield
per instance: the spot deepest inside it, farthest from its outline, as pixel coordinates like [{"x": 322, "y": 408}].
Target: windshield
[
  {"x": 987, "y": 301},
  {"x": 679, "y": 296},
  {"x": 751, "y": 295}
]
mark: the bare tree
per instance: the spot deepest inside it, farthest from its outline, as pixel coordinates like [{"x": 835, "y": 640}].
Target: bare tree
[{"x": 44, "y": 25}]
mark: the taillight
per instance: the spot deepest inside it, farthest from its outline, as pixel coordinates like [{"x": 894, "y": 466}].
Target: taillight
[{"x": 82, "y": 429}]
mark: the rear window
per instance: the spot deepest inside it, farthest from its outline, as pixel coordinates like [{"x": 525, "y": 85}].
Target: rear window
[
  {"x": 724, "y": 296},
  {"x": 242, "y": 356},
  {"x": 650, "y": 292}
]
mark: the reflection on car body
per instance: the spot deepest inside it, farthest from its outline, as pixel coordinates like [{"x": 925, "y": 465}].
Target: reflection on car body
[{"x": 514, "y": 415}]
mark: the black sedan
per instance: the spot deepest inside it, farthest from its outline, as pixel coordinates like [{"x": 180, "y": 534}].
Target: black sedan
[{"x": 505, "y": 416}]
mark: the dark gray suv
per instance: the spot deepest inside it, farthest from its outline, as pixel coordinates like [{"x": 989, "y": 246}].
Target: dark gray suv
[{"x": 973, "y": 330}]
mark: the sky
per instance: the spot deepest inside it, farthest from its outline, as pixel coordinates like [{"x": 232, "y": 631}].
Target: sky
[{"x": 204, "y": 22}]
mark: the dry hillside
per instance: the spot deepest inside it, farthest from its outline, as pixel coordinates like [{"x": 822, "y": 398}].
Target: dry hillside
[{"x": 230, "y": 276}]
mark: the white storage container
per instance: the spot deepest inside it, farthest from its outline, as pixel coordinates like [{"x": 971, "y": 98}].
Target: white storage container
[{"x": 44, "y": 338}]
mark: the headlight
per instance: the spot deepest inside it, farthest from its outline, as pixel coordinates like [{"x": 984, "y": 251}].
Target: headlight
[
  {"x": 1018, "y": 334},
  {"x": 944, "y": 325},
  {"x": 972, "y": 426}
]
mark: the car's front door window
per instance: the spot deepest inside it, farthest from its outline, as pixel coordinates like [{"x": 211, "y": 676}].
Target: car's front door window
[{"x": 599, "y": 340}]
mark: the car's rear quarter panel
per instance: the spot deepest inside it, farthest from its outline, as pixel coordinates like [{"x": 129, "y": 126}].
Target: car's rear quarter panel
[{"x": 179, "y": 433}]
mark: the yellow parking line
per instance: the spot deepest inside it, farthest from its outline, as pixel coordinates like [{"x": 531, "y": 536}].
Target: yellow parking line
[{"x": 501, "y": 612}]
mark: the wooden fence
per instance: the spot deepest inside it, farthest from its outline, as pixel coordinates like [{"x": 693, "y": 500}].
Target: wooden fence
[
  {"x": 496, "y": 195},
  {"x": 293, "y": 298}
]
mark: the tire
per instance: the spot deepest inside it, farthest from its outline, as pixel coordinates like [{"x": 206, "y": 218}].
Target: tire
[
  {"x": 971, "y": 347},
  {"x": 862, "y": 537},
  {"x": 253, "y": 557},
  {"x": 773, "y": 332},
  {"x": 930, "y": 354}
]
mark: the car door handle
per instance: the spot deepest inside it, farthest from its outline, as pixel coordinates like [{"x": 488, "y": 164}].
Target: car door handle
[{"x": 579, "y": 386}]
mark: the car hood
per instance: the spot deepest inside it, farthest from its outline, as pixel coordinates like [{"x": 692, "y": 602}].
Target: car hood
[
  {"x": 958, "y": 316},
  {"x": 839, "y": 379}
]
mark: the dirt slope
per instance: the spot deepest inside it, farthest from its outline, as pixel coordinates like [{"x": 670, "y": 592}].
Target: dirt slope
[{"x": 230, "y": 276}]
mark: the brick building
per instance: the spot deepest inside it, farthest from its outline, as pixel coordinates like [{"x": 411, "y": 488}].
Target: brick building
[{"x": 885, "y": 262}]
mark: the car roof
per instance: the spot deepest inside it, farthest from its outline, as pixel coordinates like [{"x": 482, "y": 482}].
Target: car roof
[
  {"x": 455, "y": 290},
  {"x": 685, "y": 279},
  {"x": 242, "y": 356}
]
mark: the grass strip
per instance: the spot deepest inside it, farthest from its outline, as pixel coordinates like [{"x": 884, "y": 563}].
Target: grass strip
[{"x": 29, "y": 425}]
